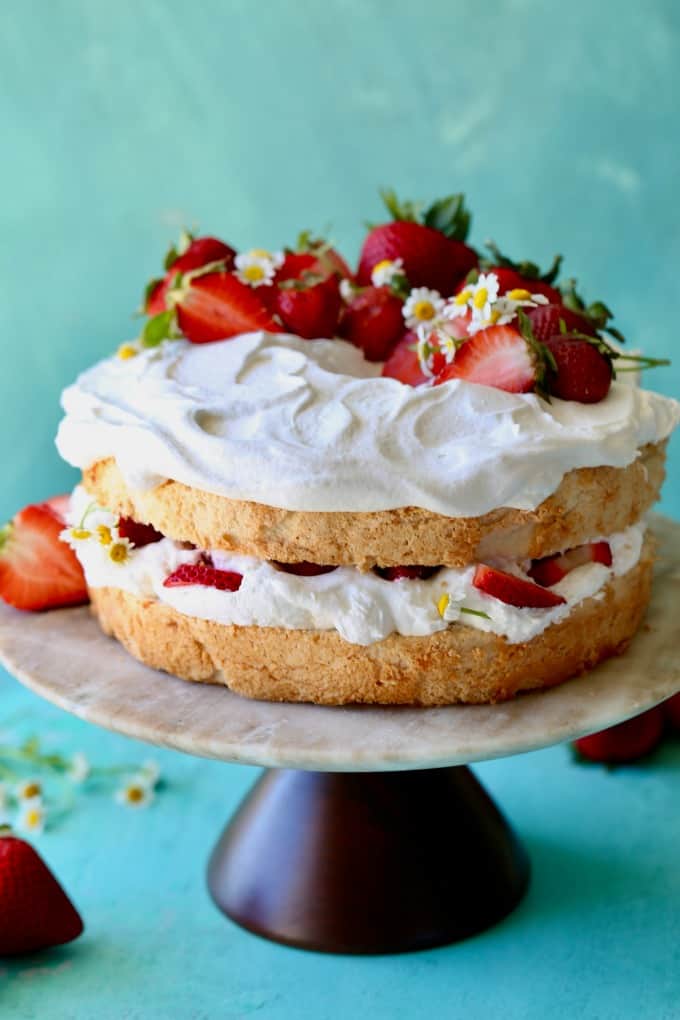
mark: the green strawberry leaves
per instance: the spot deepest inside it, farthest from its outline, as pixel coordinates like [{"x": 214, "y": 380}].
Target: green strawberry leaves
[{"x": 449, "y": 215}]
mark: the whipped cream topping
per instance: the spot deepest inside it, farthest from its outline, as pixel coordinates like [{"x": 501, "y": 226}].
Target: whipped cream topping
[
  {"x": 309, "y": 425},
  {"x": 361, "y": 607}
]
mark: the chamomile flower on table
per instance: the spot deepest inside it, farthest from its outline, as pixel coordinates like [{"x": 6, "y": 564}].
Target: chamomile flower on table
[
  {"x": 136, "y": 792},
  {"x": 28, "y": 789},
  {"x": 32, "y": 815},
  {"x": 79, "y": 768},
  {"x": 151, "y": 770}
]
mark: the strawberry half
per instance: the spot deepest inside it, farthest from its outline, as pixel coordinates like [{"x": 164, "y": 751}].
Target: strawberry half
[
  {"x": 403, "y": 363},
  {"x": 498, "y": 356},
  {"x": 431, "y": 246},
  {"x": 373, "y": 320},
  {"x": 217, "y": 306},
  {"x": 200, "y": 252},
  {"x": 671, "y": 711},
  {"x": 514, "y": 591},
  {"x": 626, "y": 742},
  {"x": 551, "y": 569},
  {"x": 582, "y": 371},
  {"x": 35, "y": 912},
  {"x": 309, "y": 308},
  {"x": 205, "y": 575},
  {"x": 410, "y": 573},
  {"x": 38, "y": 570}
]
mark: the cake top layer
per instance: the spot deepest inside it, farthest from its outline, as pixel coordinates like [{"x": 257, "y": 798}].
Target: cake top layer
[{"x": 311, "y": 426}]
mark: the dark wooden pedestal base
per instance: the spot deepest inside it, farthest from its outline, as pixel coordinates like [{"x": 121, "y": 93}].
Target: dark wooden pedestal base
[{"x": 378, "y": 862}]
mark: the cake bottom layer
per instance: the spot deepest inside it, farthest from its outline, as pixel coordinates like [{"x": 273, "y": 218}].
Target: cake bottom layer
[{"x": 459, "y": 664}]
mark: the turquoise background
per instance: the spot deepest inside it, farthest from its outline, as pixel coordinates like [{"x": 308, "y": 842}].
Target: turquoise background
[{"x": 120, "y": 123}]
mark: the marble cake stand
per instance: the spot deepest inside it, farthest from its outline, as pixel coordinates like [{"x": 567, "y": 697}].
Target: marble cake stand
[{"x": 368, "y": 833}]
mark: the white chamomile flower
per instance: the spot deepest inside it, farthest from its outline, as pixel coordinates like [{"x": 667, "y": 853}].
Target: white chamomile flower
[
  {"x": 79, "y": 768},
  {"x": 151, "y": 771},
  {"x": 28, "y": 789},
  {"x": 347, "y": 290},
  {"x": 384, "y": 272},
  {"x": 422, "y": 307},
  {"x": 74, "y": 536},
  {"x": 31, "y": 817},
  {"x": 257, "y": 267},
  {"x": 482, "y": 295},
  {"x": 118, "y": 549},
  {"x": 137, "y": 792}
]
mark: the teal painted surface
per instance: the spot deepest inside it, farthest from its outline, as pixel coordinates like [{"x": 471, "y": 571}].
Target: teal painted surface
[{"x": 122, "y": 122}]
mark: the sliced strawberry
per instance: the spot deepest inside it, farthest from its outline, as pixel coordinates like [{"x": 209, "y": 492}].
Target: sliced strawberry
[
  {"x": 205, "y": 575},
  {"x": 584, "y": 372},
  {"x": 551, "y": 569},
  {"x": 671, "y": 711},
  {"x": 410, "y": 573},
  {"x": 304, "y": 568},
  {"x": 139, "y": 534},
  {"x": 37, "y": 569},
  {"x": 35, "y": 911},
  {"x": 200, "y": 252},
  {"x": 403, "y": 363},
  {"x": 625, "y": 742},
  {"x": 498, "y": 356},
  {"x": 218, "y": 306},
  {"x": 514, "y": 591},
  {"x": 310, "y": 310},
  {"x": 546, "y": 321},
  {"x": 373, "y": 321},
  {"x": 60, "y": 505}
]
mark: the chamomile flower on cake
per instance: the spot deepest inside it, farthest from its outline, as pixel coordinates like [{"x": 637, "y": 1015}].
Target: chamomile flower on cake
[{"x": 423, "y": 480}]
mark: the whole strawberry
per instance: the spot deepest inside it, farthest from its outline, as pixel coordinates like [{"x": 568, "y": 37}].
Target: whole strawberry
[
  {"x": 309, "y": 307},
  {"x": 403, "y": 363},
  {"x": 671, "y": 711},
  {"x": 581, "y": 371},
  {"x": 35, "y": 912},
  {"x": 626, "y": 742},
  {"x": 431, "y": 245},
  {"x": 548, "y": 321},
  {"x": 373, "y": 320}
]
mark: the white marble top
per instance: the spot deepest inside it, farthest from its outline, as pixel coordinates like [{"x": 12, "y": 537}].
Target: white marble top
[{"x": 64, "y": 657}]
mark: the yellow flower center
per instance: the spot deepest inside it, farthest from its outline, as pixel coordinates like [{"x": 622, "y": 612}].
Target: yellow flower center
[
  {"x": 463, "y": 297},
  {"x": 33, "y": 818},
  {"x": 480, "y": 298},
  {"x": 494, "y": 317},
  {"x": 443, "y": 603},
  {"x": 118, "y": 552},
  {"x": 519, "y": 294},
  {"x": 135, "y": 794},
  {"x": 424, "y": 310},
  {"x": 126, "y": 351},
  {"x": 382, "y": 265},
  {"x": 80, "y": 534},
  {"x": 254, "y": 273},
  {"x": 105, "y": 536},
  {"x": 31, "y": 790}
]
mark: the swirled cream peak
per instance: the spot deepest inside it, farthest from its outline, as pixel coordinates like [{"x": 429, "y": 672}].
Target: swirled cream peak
[{"x": 310, "y": 425}]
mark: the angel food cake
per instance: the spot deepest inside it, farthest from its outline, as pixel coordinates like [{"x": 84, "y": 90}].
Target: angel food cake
[{"x": 421, "y": 483}]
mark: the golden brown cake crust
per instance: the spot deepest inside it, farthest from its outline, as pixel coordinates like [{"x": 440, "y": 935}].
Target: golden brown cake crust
[
  {"x": 459, "y": 664},
  {"x": 589, "y": 502}
]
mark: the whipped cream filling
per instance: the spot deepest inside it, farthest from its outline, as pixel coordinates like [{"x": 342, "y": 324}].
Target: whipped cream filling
[
  {"x": 309, "y": 425},
  {"x": 361, "y": 607}
]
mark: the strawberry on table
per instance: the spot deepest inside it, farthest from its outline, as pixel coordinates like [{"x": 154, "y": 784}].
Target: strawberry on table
[
  {"x": 203, "y": 574},
  {"x": 373, "y": 320},
  {"x": 514, "y": 591},
  {"x": 192, "y": 253},
  {"x": 35, "y": 912},
  {"x": 498, "y": 356},
  {"x": 551, "y": 569},
  {"x": 309, "y": 306},
  {"x": 625, "y": 742},
  {"x": 216, "y": 306},
  {"x": 431, "y": 245},
  {"x": 38, "y": 570}
]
